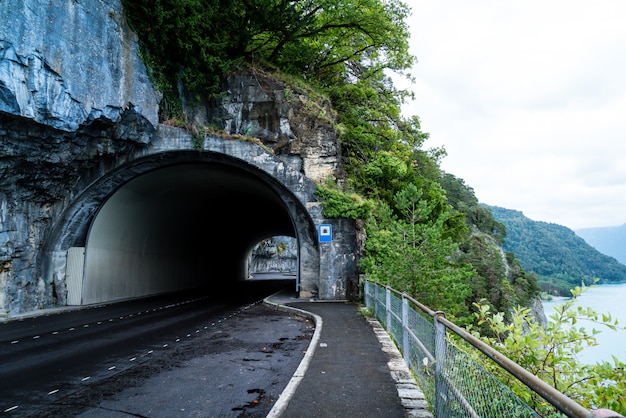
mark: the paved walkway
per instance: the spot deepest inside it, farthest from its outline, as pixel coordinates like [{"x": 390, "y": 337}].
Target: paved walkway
[{"x": 351, "y": 369}]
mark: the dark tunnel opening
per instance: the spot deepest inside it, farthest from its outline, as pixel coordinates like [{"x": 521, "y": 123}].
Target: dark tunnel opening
[{"x": 180, "y": 227}]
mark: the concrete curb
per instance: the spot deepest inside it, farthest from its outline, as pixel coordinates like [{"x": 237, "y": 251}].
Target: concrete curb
[
  {"x": 411, "y": 396},
  {"x": 286, "y": 395}
]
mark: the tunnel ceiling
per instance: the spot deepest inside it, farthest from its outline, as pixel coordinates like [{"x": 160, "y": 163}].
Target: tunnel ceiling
[{"x": 215, "y": 200}]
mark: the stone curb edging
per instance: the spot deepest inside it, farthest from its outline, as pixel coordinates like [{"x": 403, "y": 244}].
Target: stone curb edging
[
  {"x": 411, "y": 396},
  {"x": 286, "y": 395}
]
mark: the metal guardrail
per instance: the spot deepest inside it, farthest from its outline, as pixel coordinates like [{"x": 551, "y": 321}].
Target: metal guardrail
[{"x": 454, "y": 383}]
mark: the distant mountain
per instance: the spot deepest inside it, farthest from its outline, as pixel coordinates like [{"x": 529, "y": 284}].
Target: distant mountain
[
  {"x": 609, "y": 240},
  {"x": 560, "y": 258}
]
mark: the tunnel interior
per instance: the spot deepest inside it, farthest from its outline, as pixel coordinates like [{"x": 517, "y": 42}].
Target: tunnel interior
[{"x": 182, "y": 226}]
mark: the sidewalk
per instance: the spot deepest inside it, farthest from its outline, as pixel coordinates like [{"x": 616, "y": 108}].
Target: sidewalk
[{"x": 351, "y": 369}]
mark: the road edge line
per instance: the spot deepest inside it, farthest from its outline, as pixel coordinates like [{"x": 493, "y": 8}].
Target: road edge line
[{"x": 286, "y": 395}]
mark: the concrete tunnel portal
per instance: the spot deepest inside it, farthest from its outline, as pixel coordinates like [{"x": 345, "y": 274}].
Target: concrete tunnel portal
[{"x": 183, "y": 224}]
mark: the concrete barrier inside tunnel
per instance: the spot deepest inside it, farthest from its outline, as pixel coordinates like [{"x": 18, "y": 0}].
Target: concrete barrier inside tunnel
[{"x": 183, "y": 226}]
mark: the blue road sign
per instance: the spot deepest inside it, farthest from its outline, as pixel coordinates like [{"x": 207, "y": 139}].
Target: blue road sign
[{"x": 325, "y": 232}]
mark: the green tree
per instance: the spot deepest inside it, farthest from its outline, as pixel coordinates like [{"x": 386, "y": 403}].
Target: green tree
[{"x": 411, "y": 254}]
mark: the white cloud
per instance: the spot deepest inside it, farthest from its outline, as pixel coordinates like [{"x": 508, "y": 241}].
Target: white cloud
[{"x": 529, "y": 100}]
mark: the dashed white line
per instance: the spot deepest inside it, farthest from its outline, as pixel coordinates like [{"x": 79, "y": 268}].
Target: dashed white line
[
  {"x": 112, "y": 367},
  {"x": 52, "y": 392},
  {"x": 15, "y": 341},
  {"x": 11, "y": 408},
  {"x": 85, "y": 378},
  {"x": 133, "y": 359}
]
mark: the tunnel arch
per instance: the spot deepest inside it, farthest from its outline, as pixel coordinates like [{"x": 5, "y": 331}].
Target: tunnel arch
[{"x": 201, "y": 202}]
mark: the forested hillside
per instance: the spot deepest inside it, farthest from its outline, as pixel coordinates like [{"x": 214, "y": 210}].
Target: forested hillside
[
  {"x": 608, "y": 240},
  {"x": 426, "y": 233},
  {"x": 560, "y": 258}
]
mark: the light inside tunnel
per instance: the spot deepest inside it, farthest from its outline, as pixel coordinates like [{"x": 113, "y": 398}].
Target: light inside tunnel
[{"x": 183, "y": 226}]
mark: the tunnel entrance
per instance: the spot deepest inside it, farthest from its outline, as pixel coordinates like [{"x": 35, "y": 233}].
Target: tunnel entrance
[{"x": 178, "y": 225}]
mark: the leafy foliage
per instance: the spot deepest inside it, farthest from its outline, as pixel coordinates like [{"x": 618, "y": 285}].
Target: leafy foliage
[
  {"x": 556, "y": 254},
  {"x": 550, "y": 354},
  {"x": 411, "y": 254},
  {"x": 499, "y": 279},
  {"x": 338, "y": 204}
]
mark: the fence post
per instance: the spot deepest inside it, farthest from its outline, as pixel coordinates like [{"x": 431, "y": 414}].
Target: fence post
[
  {"x": 388, "y": 309},
  {"x": 376, "y": 287},
  {"x": 366, "y": 291},
  {"x": 406, "y": 347},
  {"x": 441, "y": 351}
]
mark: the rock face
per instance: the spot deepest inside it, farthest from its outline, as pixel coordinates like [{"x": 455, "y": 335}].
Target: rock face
[
  {"x": 275, "y": 254},
  {"x": 76, "y": 103},
  {"x": 74, "y": 95},
  {"x": 297, "y": 126},
  {"x": 68, "y": 63}
]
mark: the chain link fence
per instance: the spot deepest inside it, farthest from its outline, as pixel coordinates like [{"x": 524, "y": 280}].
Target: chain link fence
[{"x": 443, "y": 357}]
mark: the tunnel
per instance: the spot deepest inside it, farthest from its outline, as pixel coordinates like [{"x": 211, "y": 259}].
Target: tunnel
[{"x": 177, "y": 222}]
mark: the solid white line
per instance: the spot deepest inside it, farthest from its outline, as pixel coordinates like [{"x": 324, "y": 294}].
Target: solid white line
[{"x": 286, "y": 395}]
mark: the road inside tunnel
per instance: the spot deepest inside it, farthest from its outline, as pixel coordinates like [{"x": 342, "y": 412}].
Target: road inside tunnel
[{"x": 181, "y": 226}]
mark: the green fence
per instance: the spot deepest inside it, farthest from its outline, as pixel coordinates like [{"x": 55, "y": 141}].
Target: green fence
[{"x": 443, "y": 357}]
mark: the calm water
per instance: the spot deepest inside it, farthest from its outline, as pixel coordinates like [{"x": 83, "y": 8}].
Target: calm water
[{"x": 607, "y": 299}]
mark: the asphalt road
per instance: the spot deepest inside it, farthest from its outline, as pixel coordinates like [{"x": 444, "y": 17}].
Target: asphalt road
[{"x": 91, "y": 362}]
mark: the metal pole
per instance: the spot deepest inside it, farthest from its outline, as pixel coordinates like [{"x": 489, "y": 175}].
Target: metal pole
[
  {"x": 388, "y": 309},
  {"x": 441, "y": 350},
  {"x": 406, "y": 347}
]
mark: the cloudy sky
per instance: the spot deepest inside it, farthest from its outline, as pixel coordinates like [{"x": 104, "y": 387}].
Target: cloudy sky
[{"x": 529, "y": 100}]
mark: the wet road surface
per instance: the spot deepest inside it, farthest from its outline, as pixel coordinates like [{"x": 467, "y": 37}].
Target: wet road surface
[{"x": 191, "y": 357}]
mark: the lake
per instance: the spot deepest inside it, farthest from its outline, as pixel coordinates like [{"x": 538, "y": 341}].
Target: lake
[{"x": 607, "y": 299}]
